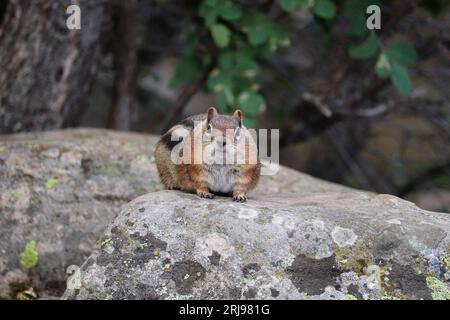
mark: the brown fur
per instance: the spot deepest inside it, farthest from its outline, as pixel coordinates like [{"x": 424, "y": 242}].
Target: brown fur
[{"x": 235, "y": 179}]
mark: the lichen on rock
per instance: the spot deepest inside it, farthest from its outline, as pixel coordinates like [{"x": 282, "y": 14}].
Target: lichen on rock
[{"x": 236, "y": 257}]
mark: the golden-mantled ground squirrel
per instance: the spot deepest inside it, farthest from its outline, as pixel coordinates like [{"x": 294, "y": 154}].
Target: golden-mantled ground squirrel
[{"x": 219, "y": 155}]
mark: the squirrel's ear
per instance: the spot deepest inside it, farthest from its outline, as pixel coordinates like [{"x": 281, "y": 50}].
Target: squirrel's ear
[
  {"x": 238, "y": 115},
  {"x": 212, "y": 112}
]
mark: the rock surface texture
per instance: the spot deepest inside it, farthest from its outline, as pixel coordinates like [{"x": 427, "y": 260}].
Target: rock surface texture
[
  {"x": 62, "y": 188},
  {"x": 315, "y": 244}
]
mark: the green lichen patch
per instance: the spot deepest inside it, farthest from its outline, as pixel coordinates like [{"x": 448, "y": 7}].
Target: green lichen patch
[
  {"x": 15, "y": 195},
  {"x": 29, "y": 257},
  {"x": 439, "y": 290},
  {"x": 50, "y": 183}
]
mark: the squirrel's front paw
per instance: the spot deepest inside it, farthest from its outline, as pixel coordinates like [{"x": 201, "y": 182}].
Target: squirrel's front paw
[
  {"x": 240, "y": 197},
  {"x": 205, "y": 194}
]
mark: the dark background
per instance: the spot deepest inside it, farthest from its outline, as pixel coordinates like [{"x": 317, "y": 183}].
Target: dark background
[{"x": 144, "y": 65}]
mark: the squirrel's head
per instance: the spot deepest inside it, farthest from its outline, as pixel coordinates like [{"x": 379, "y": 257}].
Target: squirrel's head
[
  {"x": 221, "y": 128},
  {"x": 222, "y": 133}
]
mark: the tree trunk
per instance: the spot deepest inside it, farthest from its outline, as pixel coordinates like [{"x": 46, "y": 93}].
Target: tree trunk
[
  {"x": 124, "y": 48},
  {"x": 46, "y": 69}
]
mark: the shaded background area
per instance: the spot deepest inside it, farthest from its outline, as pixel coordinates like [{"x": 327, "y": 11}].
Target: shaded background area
[{"x": 294, "y": 65}]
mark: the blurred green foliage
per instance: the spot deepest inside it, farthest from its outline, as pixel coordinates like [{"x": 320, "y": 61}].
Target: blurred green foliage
[{"x": 238, "y": 34}]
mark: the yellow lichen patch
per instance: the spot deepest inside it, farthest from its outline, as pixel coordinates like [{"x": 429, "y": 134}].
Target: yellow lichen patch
[
  {"x": 350, "y": 260},
  {"x": 128, "y": 147},
  {"x": 280, "y": 273},
  {"x": 167, "y": 267},
  {"x": 104, "y": 242},
  {"x": 355, "y": 259},
  {"x": 354, "y": 265},
  {"x": 28, "y": 294},
  {"x": 446, "y": 262},
  {"x": 342, "y": 253},
  {"x": 386, "y": 296},
  {"x": 36, "y": 147},
  {"x": 439, "y": 290}
]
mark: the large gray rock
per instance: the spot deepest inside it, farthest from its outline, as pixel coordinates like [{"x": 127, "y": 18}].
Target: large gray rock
[
  {"x": 62, "y": 188},
  {"x": 318, "y": 243}
]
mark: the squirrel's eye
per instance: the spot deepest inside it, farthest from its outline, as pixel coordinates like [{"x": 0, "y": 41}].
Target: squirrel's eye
[{"x": 209, "y": 128}]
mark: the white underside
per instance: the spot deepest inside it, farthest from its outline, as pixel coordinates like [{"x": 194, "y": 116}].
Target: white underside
[{"x": 221, "y": 178}]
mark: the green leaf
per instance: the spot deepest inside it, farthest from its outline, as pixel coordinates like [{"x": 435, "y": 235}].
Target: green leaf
[
  {"x": 355, "y": 13},
  {"x": 245, "y": 65},
  {"x": 221, "y": 35},
  {"x": 221, "y": 101},
  {"x": 230, "y": 11},
  {"x": 365, "y": 50},
  {"x": 258, "y": 37},
  {"x": 257, "y": 27},
  {"x": 402, "y": 53},
  {"x": 208, "y": 11},
  {"x": 190, "y": 44},
  {"x": 278, "y": 37},
  {"x": 226, "y": 60},
  {"x": 50, "y": 183},
  {"x": 358, "y": 25},
  {"x": 218, "y": 80},
  {"x": 224, "y": 99},
  {"x": 249, "y": 122},
  {"x": 400, "y": 78},
  {"x": 250, "y": 102},
  {"x": 325, "y": 9},
  {"x": 288, "y": 5},
  {"x": 29, "y": 256},
  {"x": 383, "y": 67},
  {"x": 187, "y": 69}
]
